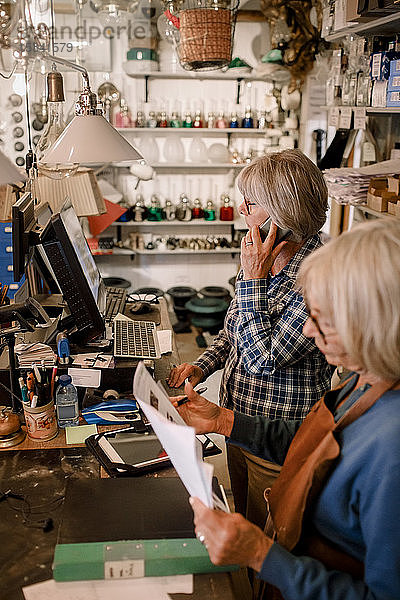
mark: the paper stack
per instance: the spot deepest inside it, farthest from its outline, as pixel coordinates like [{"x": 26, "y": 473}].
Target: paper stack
[
  {"x": 37, "y": 353},
  {"x": 350, "y": 186}
]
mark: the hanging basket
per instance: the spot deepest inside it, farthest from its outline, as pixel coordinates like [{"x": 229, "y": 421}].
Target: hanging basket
[{"x": 206, "y": 34}]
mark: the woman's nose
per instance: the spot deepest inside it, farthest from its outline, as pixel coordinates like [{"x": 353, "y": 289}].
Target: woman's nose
[{"x": 242, "y": 209}]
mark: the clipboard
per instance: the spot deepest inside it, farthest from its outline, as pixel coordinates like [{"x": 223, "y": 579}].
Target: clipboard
[{"x": 136, "y": 450}]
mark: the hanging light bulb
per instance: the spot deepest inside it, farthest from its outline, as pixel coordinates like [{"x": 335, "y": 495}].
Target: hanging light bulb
[
  {"x": 55, "y": 126},
  {"x": 115, "y": 12}
]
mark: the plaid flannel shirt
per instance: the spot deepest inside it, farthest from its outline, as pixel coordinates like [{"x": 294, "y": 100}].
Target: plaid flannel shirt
[{"x": 270, "y": 367}]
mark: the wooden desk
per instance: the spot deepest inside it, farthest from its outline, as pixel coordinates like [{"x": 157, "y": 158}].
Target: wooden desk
[{"x": 26, "y": 553}]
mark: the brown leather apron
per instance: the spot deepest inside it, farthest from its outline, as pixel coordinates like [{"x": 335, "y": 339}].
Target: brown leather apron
[{"x": 311, "y": 457}]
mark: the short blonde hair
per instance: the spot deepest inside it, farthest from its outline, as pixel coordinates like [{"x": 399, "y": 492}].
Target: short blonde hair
[
  {"x": 356, "y": 278},
  {"x": 290, "y": 187}
]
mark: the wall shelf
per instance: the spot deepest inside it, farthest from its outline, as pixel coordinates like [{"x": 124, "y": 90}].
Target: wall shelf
[
  {"x": 383, "y": 25},
  {"x": 180, "y": 251},
  {"x": 370, "y": 211},
  {"x": 173, "y": 224},
  {"x": 195, "y": 75},
  {"x": 188, "y": 166},
  {"x": 371, "y": 110},
  {"x": 190, "y": 131}
]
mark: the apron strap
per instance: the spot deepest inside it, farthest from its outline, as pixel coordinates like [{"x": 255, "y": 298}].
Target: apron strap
[{"x": 364, "y": 403}]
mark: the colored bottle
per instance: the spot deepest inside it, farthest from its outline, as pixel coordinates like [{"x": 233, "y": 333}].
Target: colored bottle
[
  {"x": 226, "y": 210},
  {"x": 152, "y": 120},
  {"x": 211, "y": 120},
  {"x": 163, "y": 121},
  {"x": 197, "y": 210},
  {"x": 67, "y": 402},
  {"x": 221, "y": 123},
  {"x": 140, "y": 120},
  {"x": 233, "y": 123},
  {"x": 187, "y": 121},
  {"x": 198, "y": 122},
  {"x": 247, "y": 122},
  {"x": 155, "y": 212},
  {"x": 209, "y": 211},
  {"x": 175, "y": 120}
]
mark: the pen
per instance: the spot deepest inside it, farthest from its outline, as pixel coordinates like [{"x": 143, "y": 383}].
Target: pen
[
  {"x": 186, "y": 399},
  {"x": 53, "y": 380}
]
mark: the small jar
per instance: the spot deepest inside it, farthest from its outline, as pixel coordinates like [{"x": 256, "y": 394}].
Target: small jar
[
  {"x": 226, "y": 210},
  {"x": 139, "y": 209},
  {"x": 198, "y": 122},
  {"x": 233, "y": 123},
  {"x": 175, "y": 120},
  {"x": 154, "y": 213},
  {"x": 169, "y": 211},
  {"x": 152, "y": 120},
  {"x": 163, "y": 121},
  {"x": 197, "y": 210},
  {"x": 187, "y": 121},
  {"x": 140, "y": 119},
  {"x": 247, "y": 122},
  {"x": 211, "y": 120},
  {"x": 183, "y": 210},
  {"x": 209, "y": 211},
  {"x": 221, "y": 123}
]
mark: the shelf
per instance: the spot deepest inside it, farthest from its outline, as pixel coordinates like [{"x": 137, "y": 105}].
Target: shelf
[
  {"x": 190, "y": 131},
  {"x": 195, "y": 75},
  {"x": 375, "y": 213},
  {"x": 189, "y": 166},
  {"x": 370, "y": 110},
  {"x": 116, "y": 252},
  {"x": 383, "y": 25},
  {"x": 195, "y": 222},
  {"x": 181, "y": 251}
]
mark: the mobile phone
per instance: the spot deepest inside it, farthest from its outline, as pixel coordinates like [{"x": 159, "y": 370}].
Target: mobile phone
[{"x": 281, "y": 233}]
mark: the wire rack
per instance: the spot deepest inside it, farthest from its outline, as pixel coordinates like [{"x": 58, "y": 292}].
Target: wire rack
[{"x": 206, "y": 33}]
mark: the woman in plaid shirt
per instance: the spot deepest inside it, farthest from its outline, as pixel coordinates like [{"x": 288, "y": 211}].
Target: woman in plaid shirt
[{"x": 269, "y": 367}]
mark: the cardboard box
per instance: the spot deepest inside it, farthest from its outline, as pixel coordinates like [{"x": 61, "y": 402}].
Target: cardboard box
[
  {"x": 377, "y": 203},
  {"x": 377, "y": 185},
  {"x": 392, "y": 205},
  {"x": 394, "y": 67},
  {"x": 394, "y": 184}
]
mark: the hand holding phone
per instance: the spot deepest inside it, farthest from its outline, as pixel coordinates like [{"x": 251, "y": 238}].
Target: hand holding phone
[{"x": 281, "y": 233}]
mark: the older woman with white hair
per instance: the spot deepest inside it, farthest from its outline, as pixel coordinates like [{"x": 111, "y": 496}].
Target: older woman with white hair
[
  {"x": 269, "y": 367},
  {"x": 334, "y": 521}
]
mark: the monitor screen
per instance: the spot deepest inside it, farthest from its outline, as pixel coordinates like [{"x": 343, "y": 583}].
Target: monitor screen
[
  {"x": 72, "y": 265},
  {"x": 81, "y": 247}
]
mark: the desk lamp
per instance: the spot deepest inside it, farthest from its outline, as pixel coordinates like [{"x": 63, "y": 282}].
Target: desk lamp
[{"x": 89, "y": 138}]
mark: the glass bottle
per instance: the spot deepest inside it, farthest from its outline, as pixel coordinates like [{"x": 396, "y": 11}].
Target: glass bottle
[
  {"x": 67, "y": 402},
  {"x": 233, "y": 123},
  {"x": 123, "y": 117},
  {"x": 140, "y": 119},
  {"x": 173, "y": 150},
  {"x": 183, "y": 210},
  {"x": 198, "y": 122},
  {"x": 154, "y": 212},
  {"x": 169, "y": 211},
  {"x": 209, "y": 211},
  {"x": 187, "y": 121},
  {"x": 163, "y": 121},
  {"x": 211, "y": 120},
  {"x": 197, "y": 210},
  {"x": 262, "y": 120},
  {"x": 198, "y": 150},
  {"x": 152, "y": 120},
  {"x": 226, "y": 210},
  {"x": 175, "y": 120},
  {"x": 248, "y": 122},
  {"x": 139, "y": 210},
  {"x": 220, "y": 122}
]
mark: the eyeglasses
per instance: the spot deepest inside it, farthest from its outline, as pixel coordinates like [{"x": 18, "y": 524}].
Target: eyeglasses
[
  {"x": 248, "y": 204},
  {"x": 315, "y": 322}
]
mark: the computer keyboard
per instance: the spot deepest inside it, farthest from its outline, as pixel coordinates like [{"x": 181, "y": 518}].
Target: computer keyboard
[
  {"x": 115, "y": 303},
  {"x": 135, "y": 339}
]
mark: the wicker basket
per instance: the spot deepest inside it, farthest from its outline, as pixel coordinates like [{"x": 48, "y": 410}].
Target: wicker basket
[{"x": 206, "y": 36}]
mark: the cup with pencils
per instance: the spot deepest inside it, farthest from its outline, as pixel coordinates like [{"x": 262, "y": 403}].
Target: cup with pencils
[{"x": 37, "y": 391}]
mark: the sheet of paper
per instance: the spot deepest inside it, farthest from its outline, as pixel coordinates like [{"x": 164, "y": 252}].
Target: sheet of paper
[
  {"x": 182, "y": 447},
  {"x": 78, "y": 435},
  {"x": 165, "y": 340},
  {"x": 85, "y": 377},
  {"x": 93, "y": 359},
  {"x": 150, "y": 588},
  {"x": 147, "y": 390}
]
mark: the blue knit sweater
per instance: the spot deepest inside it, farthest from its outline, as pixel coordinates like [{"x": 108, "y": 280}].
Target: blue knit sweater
[{"x": 358, "y": 509}]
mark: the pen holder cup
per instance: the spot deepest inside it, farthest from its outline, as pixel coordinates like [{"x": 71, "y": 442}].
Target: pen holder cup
[{"x": 41, "y": 421}]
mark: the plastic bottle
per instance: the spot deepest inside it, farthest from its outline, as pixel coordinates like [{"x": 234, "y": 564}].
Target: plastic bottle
[{"x": 67, "y": 403}]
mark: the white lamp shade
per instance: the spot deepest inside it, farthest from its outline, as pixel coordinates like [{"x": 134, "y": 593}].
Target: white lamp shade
[
  {"x": 90, "y": 139},
  {"x": 8, "y": 172}
]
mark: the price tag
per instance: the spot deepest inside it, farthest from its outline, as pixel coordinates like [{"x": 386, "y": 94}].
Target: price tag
[
  {"x": 360, "y": 117},
  {"x": 333, "y": 117},
  {"x": 345, "y": 117}
]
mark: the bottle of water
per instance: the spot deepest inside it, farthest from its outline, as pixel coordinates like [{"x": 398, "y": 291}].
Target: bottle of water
[{"x": 67, "y": 403}]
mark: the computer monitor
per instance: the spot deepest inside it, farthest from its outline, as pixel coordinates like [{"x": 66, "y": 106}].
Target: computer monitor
[
  {"x": 23, "y": 221},
  {"x": 71, "y": 261}
]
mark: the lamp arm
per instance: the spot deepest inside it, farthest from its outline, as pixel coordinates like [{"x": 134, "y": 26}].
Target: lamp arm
[{"x": 68, "y": 63}]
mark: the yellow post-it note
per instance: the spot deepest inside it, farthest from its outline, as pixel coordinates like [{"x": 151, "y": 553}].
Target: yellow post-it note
[{"x": 78, "y": 434}]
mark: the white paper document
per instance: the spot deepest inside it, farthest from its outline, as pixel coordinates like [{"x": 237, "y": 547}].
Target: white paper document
[
  {"x": 165, "y": 340},
  {"x": 178, "y": 440},
  {"x": 85, "y": 377},
  {"x": 150, "y": 588}
]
